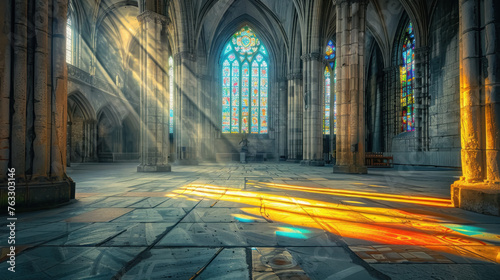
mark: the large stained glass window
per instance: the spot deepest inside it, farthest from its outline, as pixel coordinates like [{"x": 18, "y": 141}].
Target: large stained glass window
[
  {"x": 171, "y": 90},
  {"x": 69, "y": 41},
  {"x": 407, "y": 78},
  {"x": 245, "y": 86},
  {"x": 330, "y": 58}
]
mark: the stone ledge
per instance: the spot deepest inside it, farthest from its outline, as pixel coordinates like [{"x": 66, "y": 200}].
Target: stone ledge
[
  {"x": 154, "y": 168},
  {"x": 350, "y": 169},
  {"x": 36, "y": 195},
  {"x": 477, "y": 197}
]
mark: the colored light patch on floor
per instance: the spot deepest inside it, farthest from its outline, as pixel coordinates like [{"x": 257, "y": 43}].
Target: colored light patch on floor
[
  {"x": 245, "y": 218},
  {"x": 292, "y": 232},
  {"x": 430, "y": 201},
  {"x": 374, "y": 224}
]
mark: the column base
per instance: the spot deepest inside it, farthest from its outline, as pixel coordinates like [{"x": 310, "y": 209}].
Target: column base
[
  {"x": 154, "y": 168},
  {"x": 308, "y": 162},
  {"x": 293, "y": 160},
  {"x": 187, "y": 162},
  {"x": 37, "y": 195},
  {"x": 352, "y": 169},
  {"x": 482, "y": 198}
]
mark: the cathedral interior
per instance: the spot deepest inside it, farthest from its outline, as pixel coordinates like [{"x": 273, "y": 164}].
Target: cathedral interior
[{"x": 250, "y": 139}]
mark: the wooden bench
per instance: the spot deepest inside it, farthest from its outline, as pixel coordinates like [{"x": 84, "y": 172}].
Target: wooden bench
[{"x": 378, "y": 160}]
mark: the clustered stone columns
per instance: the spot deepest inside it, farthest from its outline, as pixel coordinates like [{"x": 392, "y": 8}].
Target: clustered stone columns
[
  {"x": 295, "y": 105},
  {"x": 350, "y": 139},
  {"x": 312, "y": 112},
  {"x": 90, "y": 141},
  {"x": 33, "y": 116},
  {"x": 421, "y": 97},
  {"x": 390, "y": 105},
  {"x": 479, "y": 187},
  {"x": 188, "y": 116},
  {"x": 154, "y": 109}
]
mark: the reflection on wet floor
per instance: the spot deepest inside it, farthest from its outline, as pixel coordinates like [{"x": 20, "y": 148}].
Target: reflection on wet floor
[{"x": 256, "y": 221}]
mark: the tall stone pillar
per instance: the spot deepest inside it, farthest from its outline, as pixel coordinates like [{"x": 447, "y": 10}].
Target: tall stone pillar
[
  {"x": 187, "y": 129},
  {"x": 351, "y": 17},
  {"x": 479, "y": 187},
  {"x": 282, "y": 112},
  {"x": 155, "y": 96},
  {"x": 421, "y": 97},
  {"x": 33, "y": 118},
  {"x": 312, "y": 112},
  {"x": 295, "y": 105}
]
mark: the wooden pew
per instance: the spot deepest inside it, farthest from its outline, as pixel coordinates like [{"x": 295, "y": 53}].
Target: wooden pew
[{"x": 378, "y": 160}]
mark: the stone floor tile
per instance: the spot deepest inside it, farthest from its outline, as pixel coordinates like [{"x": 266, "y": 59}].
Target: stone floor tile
[
  {"x": 71, "y": 262},
  {"x": 169, "y": 215},
  {"x": 171, "y": 263},
  {"x": 220, "y": 215},
  {"x": 92, "y": 234},
  {"x": 141, "y": 234},
  {"x": 99, "y": 215},
  {"x": 439, "y": 271},
  {"x": 230, "y": 263}
]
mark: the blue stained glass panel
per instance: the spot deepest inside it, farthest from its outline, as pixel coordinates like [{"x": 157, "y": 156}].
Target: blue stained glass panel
[
  {"x": 407, "y": 74},
  {"x": 244, "y": 84}
]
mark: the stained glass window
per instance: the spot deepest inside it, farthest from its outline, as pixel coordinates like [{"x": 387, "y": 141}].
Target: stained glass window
[
  {"x": 330, "y": 57},
  {"x": 245, "y": 84},
  {"x": 330, "y": 50},
  {"x": 69, "y": 41},
  {"x": 407, "y": 78},
  {"x": 171, "y": 89}
]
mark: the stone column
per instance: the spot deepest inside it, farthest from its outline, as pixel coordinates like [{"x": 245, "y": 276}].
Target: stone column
[
  {"x": 282, "y": 120},
  {"x": 295, "y": 99},
  {"x": 312, "y": 112},
  {"x": 479, "y": 187},
  {"x": 187, "y": 108},
  {"x": 390, "y": 105},
  {"x": 492, "y": 91},
  {"x": 5, "y": 84},
  {"x": 154, "y": 96},
  {"x": 34, "y": 141},
  {"x": 421, "y": 96},
  {"x": 351, "y": 17}
]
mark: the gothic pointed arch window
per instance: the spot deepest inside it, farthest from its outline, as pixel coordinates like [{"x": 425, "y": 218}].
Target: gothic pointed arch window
[
  {"x": 245, "y": 88},
  {"x": 330, "y": 68},
  {"x": 407, "y": 79},
  {"x": 171, "y": 90},
  {"x": 69, "y": 41}
]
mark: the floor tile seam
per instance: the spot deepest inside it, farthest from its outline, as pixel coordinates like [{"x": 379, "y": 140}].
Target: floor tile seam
[
  {"x": 200, "y": 271},
  {"x": 144, "y": 199},
  {"x": 354, "y": 257},
  {"x": 134, "y": 261}
]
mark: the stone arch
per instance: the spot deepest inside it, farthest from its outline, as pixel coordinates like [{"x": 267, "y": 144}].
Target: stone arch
[
  {"x": 81, "y": 129},
  {"x": 108, "y": 134},
  {"x": 130, "y": 134}
]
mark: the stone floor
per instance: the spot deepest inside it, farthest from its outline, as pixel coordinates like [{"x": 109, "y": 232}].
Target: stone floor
[{"x": 255, "y": 221}]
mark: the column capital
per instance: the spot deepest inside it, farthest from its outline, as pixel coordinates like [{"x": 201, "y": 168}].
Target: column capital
[{"x": 150, "y": 16}]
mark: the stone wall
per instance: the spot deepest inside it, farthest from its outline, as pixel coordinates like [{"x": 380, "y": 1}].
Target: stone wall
[{"x": 444, "y": 84}]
